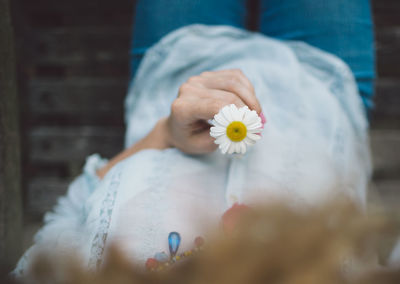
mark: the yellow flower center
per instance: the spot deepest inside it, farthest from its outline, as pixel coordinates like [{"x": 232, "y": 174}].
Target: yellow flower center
[{"x": 236, "y": 131}]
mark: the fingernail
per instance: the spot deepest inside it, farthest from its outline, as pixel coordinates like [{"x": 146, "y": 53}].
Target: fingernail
[{"x": 263, "y": 120}]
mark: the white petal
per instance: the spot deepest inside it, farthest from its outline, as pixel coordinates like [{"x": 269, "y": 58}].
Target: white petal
[
  {"x": 244, "y": 108},
  {"x": 255, "y": 126},
  {"x": 248, "y": 141},
  {"x": 242, "y": 147},
  {"x": 233, "y": 108},
  {"x": 253, "y": 136},
  {"x": 226, "y": 111},
  {"x": 218, "y": 130},
  {"x": 234, "y": 147},
  {"x": 237, "y": 116},
  {"x": 216, "y": 135},
  {"x": 231, "y": 148},
  {"x": 219, "y": 117},
  {"x": 235, "y": 113},
  {"x": 237, "y": 147},
  {"x": 221, "y": 140},
  {"x": 251, "y": 117},
  {"x": 224, "y": 147},
  {"x": 255, "y": 131},
  {"x": 243, "y": 111},
  {"x": 254, "y": 119}
]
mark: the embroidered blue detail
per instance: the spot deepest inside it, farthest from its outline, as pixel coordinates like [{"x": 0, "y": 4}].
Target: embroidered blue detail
[{"x": 174, "y": 240}]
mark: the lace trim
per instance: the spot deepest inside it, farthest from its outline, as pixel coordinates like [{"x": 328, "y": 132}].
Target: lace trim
[
  {"x": 93, "y": 163},
  {"x": 98, "y": 243}
]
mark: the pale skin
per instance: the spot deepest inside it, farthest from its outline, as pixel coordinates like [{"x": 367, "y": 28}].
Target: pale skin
[{"x": 199, "y": 99}]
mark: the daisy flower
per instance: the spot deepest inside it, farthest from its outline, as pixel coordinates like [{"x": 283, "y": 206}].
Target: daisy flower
[{"x": 235, "y": 129}]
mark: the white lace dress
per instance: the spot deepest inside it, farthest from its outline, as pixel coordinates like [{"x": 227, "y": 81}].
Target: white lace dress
[{"x": 314, "y": 145}]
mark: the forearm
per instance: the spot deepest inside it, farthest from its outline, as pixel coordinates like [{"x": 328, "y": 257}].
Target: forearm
[{"x": 156, "y": 139}]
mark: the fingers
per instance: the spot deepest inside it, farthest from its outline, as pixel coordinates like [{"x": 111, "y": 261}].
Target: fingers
[
  {"x": 204, "y": 142},
  {"x": 199, "y": 99},
  {"x": 230, "y": 73},
  {"x": 203, "y": 103},
  {"x": 207, "y": 108},
  {"x": 233, "y": 81}
]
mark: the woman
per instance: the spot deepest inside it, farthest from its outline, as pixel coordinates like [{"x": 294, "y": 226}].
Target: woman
[{"x": 314, "y": 144}]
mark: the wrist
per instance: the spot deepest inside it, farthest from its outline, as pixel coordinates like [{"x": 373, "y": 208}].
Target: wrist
[
  {"x": 162, "y": 134},
  {"x": 158, "y": 138}
]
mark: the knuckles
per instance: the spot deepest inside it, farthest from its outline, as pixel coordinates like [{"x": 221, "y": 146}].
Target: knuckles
[
  {"x": 185, "y": 87},
  {"x": 216, "y": 105},
  {"x": 194, "y": 80},
  {"x": 239, "y": 77},
  {"x": 238, "y": 72},
  {"x": 234, "y": 83},
  {"x": 232, "y": 99},
  {"x": 206, "y": 73},
  {"x": 178, "y": 106}
]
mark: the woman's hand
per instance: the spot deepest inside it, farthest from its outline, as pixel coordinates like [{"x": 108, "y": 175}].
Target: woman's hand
[{"x": 199, "y": 99}]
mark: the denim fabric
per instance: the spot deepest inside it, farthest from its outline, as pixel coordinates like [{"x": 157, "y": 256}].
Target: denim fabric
[
  {"x": 155, "y": 18},
  {"x": 341, "y": 27}
]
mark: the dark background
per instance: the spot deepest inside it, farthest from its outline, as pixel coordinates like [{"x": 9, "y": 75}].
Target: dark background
[{"x": 73, "y": 72}]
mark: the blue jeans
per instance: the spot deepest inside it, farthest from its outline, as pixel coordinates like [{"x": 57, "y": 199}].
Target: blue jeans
[{"x": 341, "y": 27}]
